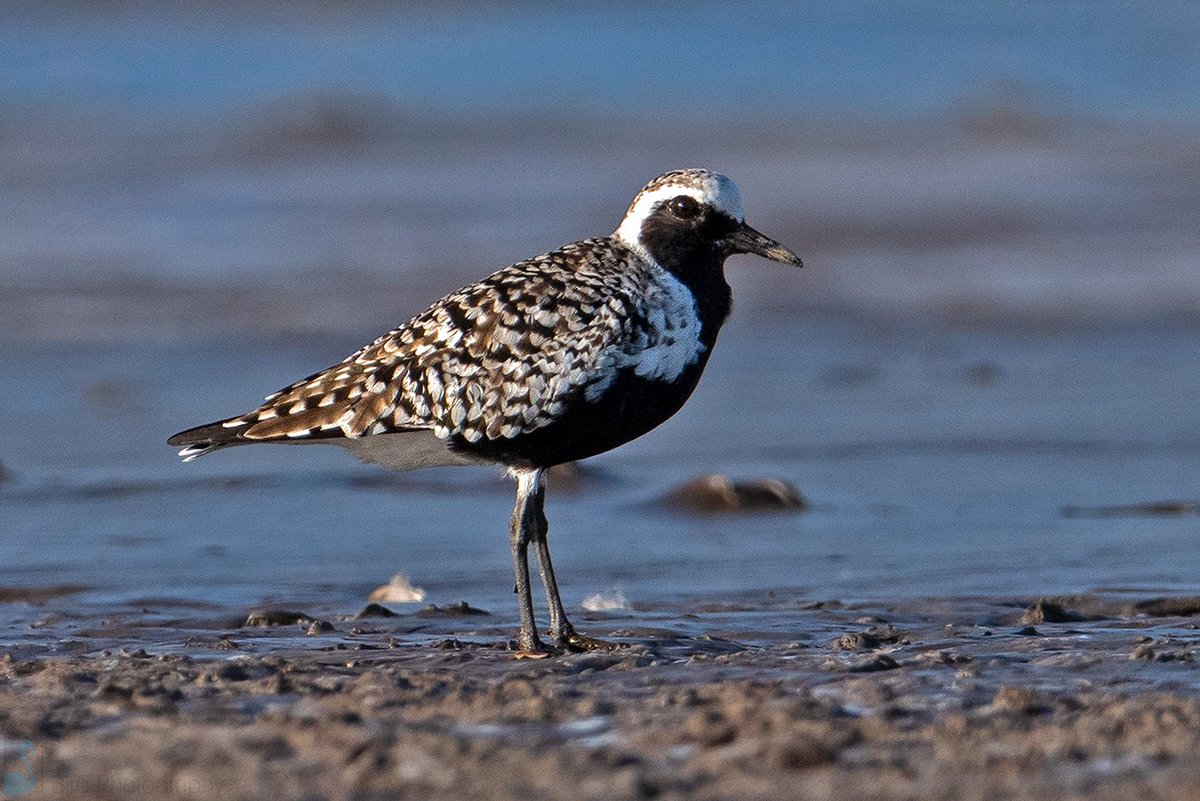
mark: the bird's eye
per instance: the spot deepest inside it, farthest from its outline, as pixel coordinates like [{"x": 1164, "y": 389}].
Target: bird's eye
[{"x": 684, "y": 207}]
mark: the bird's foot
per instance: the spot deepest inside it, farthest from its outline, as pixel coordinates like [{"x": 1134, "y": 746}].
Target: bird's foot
[
  {"x": 531, "y": 648},
  {"x": 525, "y": 653}
]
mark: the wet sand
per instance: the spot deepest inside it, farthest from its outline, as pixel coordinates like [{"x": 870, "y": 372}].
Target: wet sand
[{"x": 757, "y": 696}]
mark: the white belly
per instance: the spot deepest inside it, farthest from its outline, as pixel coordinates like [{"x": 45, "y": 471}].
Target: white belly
[{"x": 407, "y": 450}]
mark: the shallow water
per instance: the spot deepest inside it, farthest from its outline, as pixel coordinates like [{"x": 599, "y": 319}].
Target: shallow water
[{"x": 935, "y": 462}]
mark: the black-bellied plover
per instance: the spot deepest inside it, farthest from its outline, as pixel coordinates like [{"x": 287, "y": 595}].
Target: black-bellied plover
[{"x": 551, "y": 360}]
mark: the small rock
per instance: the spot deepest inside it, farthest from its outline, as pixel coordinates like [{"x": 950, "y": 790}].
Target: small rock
[
  {"x": 873, "y": 664},
  {"x": 1155, "y": 652},
  {"x": 448, "y": 645},
  {"x": 277, "y": 617},
  {"x": 718, "y": 494},
  {"x": 947, "y": 657},
  {"x": 460, "y": 609},
  {"x": 873, "y": 637},
  {"x": 375, "y": 610},
  {"x": 229, "y": 671},
  {"x": 319, "y": 627},
  {"x": 809, "y": 606},
  {"x": 1029, "y": 631},
  {"x": 1047, "y": 611}
]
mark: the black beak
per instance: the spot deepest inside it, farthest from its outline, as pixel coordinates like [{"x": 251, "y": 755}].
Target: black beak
[{"x": 746, "y": 240}]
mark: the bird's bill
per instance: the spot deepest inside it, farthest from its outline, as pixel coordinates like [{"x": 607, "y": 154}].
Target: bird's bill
[{"x": 746, "y": 240}]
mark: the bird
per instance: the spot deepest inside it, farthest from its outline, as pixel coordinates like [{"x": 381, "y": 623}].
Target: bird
[{"x": 548, "y": 361}]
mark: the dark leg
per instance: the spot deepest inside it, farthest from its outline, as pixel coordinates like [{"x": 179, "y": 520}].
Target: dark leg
[
  {"x": 541, "y": 547},
  {"x": 561, "y": 630},
  {"x": 521, "y": 531}
]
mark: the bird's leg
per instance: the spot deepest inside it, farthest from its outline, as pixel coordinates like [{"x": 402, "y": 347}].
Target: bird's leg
[
  {"x": 521, "y": 531},
  {"x": 541, "y": 547},
  {"x": 561, "y": 630}
]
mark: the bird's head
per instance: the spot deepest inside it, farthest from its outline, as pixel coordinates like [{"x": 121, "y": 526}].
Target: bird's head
[{"x": 691, "y": 216}]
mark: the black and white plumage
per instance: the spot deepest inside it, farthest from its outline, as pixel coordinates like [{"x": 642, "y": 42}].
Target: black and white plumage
[{"x": 550, "y": 360}]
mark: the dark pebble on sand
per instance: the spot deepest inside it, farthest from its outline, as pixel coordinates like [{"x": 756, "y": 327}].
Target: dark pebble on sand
[
  {"x": 277, "y": 617},
  {"x": 718, "y": 494},
  {"x": 319, "y": 627}
]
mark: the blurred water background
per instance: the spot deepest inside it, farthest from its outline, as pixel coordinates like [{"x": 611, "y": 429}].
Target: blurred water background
[{"x": 997, "y": 203}]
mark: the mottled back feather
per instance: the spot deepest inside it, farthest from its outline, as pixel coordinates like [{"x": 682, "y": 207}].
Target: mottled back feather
[{"x": 496, "y": 359}]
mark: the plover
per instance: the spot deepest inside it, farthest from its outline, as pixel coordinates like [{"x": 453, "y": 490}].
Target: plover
[{"x": 547, "y": 361}]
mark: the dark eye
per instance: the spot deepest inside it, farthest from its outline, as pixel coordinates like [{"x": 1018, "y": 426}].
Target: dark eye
[{"x": 684, "y": 207}]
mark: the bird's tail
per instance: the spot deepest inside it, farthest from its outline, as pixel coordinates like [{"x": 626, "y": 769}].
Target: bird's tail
[{"x": 206, "y": 438}]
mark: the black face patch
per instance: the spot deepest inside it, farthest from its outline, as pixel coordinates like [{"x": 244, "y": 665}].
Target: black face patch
[{"x": 687, "y": 244}]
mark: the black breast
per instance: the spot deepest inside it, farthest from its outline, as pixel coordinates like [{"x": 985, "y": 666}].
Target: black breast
[{"x": 630, "y": 407}]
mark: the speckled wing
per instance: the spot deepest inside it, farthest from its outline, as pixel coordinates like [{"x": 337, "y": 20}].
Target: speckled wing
[{"x": 494, "y": 360}]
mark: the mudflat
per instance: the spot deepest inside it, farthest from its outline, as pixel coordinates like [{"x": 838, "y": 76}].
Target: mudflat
[{"x": 765, "y": 695}]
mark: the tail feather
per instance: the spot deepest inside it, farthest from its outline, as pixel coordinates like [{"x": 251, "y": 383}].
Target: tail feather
[{"x": 206, "y": 438}]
